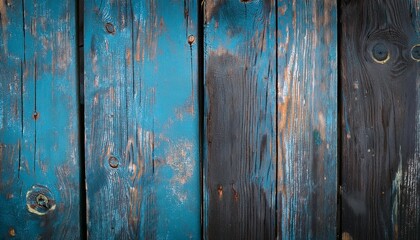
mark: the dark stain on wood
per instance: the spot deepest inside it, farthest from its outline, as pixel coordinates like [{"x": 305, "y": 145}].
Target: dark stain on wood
[
  {"x": 233, "y": 114},
  {"x": 380, "y": 186}
]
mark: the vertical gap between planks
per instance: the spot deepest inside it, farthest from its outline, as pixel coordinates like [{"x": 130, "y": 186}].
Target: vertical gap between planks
[
  {"x": 80, "y": 96},
  {"x": 276, "y": 218},
  {"x": 200, "y": 95},
  {"x": 339, "y": 122}
]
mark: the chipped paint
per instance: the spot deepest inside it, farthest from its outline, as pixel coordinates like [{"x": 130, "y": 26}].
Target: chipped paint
[
  {"x": 138, "y": 108},
  {"x": 180, "y": 160},
  {"x": 346, "y": 236},
  {"x": 1, "y": 110},
  {"x": 4, "y": 24},
  {"x": 39, "y": 118}
]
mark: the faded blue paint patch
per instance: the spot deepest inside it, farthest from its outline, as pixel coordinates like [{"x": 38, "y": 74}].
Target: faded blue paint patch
[
  {"x": 317, "y": 138},
  {"x": 1, "y": 111}
]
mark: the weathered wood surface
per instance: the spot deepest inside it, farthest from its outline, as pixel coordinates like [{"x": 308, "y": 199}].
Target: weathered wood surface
[
  {"x": 141, "y": 116},
  {"x": 307, "y": 115},
  {"x": 39, "y": 140},
  {"x": 240, "y": 119},
  {"x": 380, "y": 124}
]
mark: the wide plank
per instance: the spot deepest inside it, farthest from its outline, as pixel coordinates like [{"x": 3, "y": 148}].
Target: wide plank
[
  {"x": 141, "y": 119},
  {"x": 379, "y": 121},
  {"x": 307, "y": 119},
  {"x": 239, "y": 155},
  {"x": 39, "y": 128}
]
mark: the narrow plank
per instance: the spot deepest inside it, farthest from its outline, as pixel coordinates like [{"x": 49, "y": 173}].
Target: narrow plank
[
  {"x": 307, "y": 115},
  {"x": 39, "y": 140},
  {"x": 380, "y": 124},
  {"x": 240, "y": 136},
  {"x": 141, "y": 118}
]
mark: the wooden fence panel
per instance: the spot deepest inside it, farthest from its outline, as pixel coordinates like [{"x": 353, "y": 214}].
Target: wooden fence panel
[
  {"x": 307, "y": 119},
  {"x": 240, "y": 119},
  {"x": 39, "y": 129},
  {"x": 141, "y": 117},
  {"x": 380, "y": 123}
]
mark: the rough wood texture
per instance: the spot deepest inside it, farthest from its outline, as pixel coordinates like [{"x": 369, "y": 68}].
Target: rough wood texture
[
  {"x": 142, "y": 163},
  {"x": 39, "y": 140},
  {"x": 240, "y": 136},
  {"x": 380, "y": 165},
  {"x": 307, "y": 113}
]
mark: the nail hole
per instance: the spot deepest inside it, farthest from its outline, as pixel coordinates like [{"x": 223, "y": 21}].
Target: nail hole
[
  {"x": 380, "y": 53},
  {"x": 12, "y": 232},
  {"x": 235, "y": 194},
  {"x": 113, "y": 162},
  {"x": 191, "y": 39},
  {"x": 110, "y": 28},
  {"x": 415, "y": 52},
  {"x": 35, "y": 116},
  {"x": 220, "y": 190}
]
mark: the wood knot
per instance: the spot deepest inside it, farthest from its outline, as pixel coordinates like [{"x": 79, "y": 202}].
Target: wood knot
[
  {"x": 40, "y": 200},
  {"x": 415, "y": 52},
  {"x": 380, "y": 53},
  {"x": 113, "y": 162},
  {"x": 110, "y": 28}
]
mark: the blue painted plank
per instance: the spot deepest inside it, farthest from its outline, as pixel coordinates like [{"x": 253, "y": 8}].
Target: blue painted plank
[
  {"x": 141, "y": 118},
  {"x": 39, "y": 140},
  {"x": 307, "y": 119},
  {"x": 240, "y": 119}
]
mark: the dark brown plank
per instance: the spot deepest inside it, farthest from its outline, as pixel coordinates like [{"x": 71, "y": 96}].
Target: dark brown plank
[
  {"x": 240, "y": 144},
  {"x": 380, "y": 166}
]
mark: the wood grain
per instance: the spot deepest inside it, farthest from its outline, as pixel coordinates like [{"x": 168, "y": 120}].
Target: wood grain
[
  {"x": 39, "y": 140},
  {"x": 240, "y": 136},
  {"x": 380, "y": 165},
  {"x": 306, "y": 118},
  {"x": 141, "y": 117}
]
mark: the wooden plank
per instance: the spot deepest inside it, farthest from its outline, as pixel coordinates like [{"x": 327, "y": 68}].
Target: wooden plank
[
  {"x": 141, "y": 108},
  {"x": 240, "y": 136},
  {"x": 39, "y": 136},
  {"x": 307, "y": 115},
  {"x": 380, "y": 124}
]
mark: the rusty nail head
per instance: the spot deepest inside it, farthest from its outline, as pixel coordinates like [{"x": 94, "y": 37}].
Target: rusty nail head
[
  {"x": 35, "y": 115},
  {"x": 113, "y": 162},
  {"x": 110, "y": 28},
  {"x": 191, "y": 39}
]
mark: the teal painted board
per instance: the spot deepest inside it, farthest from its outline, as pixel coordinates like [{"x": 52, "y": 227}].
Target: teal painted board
[
  {"x": 307, "y": 119},
  {"x": 141, "y": 120},
  {"x": 380, "y": 119},
  {"x": 240, "y": 119},
  {"x": 39, "y": 128}
]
